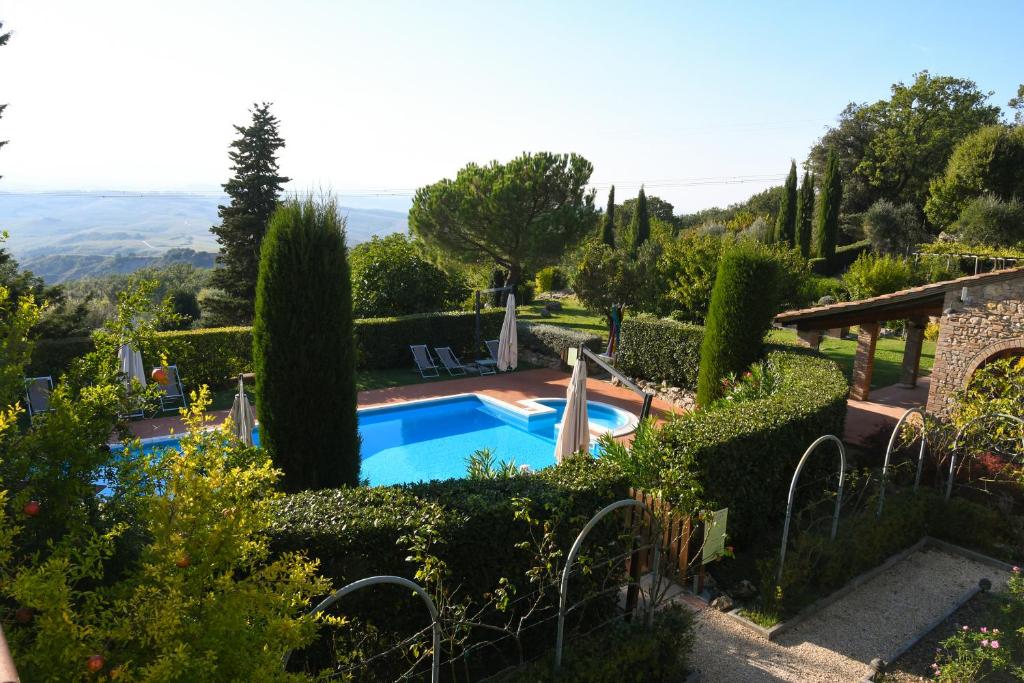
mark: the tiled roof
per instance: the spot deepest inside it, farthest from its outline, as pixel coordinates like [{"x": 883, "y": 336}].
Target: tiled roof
[{"x": 925, "y": 295}]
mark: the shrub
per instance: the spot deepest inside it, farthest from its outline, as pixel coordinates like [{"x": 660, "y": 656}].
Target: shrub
[
  {"x": 845, "y": 255},
  {"x": 743, "y": 303},
  {"x": 384, "y": 342},
  {"x": 390, "y": 277},
  {"x": 54, "y": 356},
  {"x": 991, "y": 222},
  {"x": 892, "y": 229},
  {"x": 744, "y": 454},
  {"x": 303, "y": 350},
  {"x": 660, "y": 350},
  {"x": 872, "y": 275},
  {"x": 208, "y": 356},
  {"x": 550, "y": 279},
  {"x": 688, "y": 266},
  {"x": 621, "y": 652},
  {"x": 552, "y": 340}
]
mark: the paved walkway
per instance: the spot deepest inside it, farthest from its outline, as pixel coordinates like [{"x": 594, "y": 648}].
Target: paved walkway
[
  {"x": 864, "y": 419},
  {"x": 837, "y": 644},
  {"x": 509, "y": 387}
]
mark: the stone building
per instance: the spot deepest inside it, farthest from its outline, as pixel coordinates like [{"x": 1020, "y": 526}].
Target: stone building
[{"x": 981, "y": 318}]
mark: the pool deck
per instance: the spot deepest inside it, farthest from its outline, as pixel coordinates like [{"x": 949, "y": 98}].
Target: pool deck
[{"x": 509, "y": 387}]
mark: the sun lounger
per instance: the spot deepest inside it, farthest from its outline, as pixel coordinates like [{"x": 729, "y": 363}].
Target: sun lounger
[
  {"x": 451, "y": 363},
  {"x": 424, "y": 363},
  {"x": 172, "y": 393}
]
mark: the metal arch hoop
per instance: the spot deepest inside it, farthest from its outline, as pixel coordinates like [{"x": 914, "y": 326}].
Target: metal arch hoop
[
  {"x": 792, "y": 494},
  {"x": 435, "y": 664},
  {"x": 960, "y": 434},
  {"x": 563, "y": 593},
  {"x": 892, "y": 443}
]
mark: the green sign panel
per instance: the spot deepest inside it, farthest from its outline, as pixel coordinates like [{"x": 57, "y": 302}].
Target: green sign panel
[{"x": 714, "y": 535}]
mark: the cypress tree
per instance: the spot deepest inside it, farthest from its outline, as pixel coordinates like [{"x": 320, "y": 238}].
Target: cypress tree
[
  {"x": 254, "y": 191},
  {"x": 640, "y": 226},
  {"x": 804, "y": 215},
  {"x": 608, "y": 227},
  {"x": 744, "y": 300},
  {"x": 826, "y": 223},
  {"x": 304, "y": 350},
  {"x": 785, "y": 223}
]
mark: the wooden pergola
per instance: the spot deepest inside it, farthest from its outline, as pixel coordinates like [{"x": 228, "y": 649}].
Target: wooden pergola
[{"x": 914, "y": 305}]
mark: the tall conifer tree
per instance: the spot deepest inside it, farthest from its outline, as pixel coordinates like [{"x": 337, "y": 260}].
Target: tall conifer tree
[
  {"x": 826, "y": 224},
  {"x": 785, "y": 223},
  {"x": 640, "y": 226},
  {"x": 254, "y": 191},
  {"x": 608, "y": 226},
  {"x": 805, "y": 215}
]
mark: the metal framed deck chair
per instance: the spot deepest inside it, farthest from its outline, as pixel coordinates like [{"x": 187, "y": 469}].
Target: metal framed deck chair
[
  {"x": 424, "y": 363},
  {"x": 451, "y": 363},
  {"x": 172, "y": 392},
  {"x": 37, "y": 394},
  {"x": 492, "y": 348}
]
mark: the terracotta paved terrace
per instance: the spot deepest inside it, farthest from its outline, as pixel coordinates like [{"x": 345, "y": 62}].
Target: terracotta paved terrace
[{"x": 509, "y": 387}]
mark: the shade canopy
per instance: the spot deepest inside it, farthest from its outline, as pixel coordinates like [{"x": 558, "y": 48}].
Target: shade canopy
[
  {"x": 129, "y": 363},
  {"x": 508, "y": 341},
  {"x": 242, "y": 415},
  {"x": 574, "y": 434}
]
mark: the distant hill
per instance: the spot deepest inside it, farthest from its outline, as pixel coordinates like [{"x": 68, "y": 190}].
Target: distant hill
[{"x": 65, "y": 236}]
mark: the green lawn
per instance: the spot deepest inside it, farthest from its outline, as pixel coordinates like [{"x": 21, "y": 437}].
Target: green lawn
[
  {"x": 888, "y": 355},
  {"x": 572, "y": 315}
]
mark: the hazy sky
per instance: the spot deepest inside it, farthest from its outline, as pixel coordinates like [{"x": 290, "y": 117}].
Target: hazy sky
[{"x": 379, "y": 96}]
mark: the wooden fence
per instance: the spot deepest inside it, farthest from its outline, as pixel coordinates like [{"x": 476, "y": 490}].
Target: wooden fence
[{"x": 680, "y": 535}]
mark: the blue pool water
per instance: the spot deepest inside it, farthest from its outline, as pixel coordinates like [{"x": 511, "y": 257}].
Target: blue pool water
[{"x": 428, "y": 440}]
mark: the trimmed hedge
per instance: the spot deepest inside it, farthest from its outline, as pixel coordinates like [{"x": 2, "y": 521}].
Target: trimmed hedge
[
  {"x": 212, "y": 355},
  {"x": 660, "y": 350},
  {"x": 844, "y": 258},
  {"x": 744, "y": 453},
  {"x": 384, "y": 342},
  {"x": 552, "y": 340}
]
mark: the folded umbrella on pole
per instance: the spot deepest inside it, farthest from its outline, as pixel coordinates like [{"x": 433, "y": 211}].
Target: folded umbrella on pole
[
  {"x": 508, "y": 342},
  {"x": 242, "y": 415},
  {"x": 129, "y": 362},
  {"x": 574, "y": 434}
]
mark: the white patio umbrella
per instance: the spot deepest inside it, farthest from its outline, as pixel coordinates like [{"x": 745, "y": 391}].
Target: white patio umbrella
[
  {"x": 242, "y": 415},
  {"x": 129, "y": 362},
  {"x": 508, "y": 342},
  {"x": 574, "y": 434}
]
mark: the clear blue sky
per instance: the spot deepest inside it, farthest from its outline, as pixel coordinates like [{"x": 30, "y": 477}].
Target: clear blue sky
[{"x": 384, "y": 95}]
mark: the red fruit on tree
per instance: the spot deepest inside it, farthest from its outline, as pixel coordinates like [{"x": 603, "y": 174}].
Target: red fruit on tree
[
  {"x": 183, "y": 561},
  {"x": 23, "y": 615},
  {"x": 31, "y": 508},
  {"x": 96, "y": 663}
]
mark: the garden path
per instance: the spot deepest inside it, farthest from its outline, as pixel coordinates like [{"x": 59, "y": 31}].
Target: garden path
[{"x": 837, "y": 643}]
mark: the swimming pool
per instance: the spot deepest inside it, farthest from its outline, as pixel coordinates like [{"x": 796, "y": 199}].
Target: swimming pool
[{"x": 432, "y": 438}]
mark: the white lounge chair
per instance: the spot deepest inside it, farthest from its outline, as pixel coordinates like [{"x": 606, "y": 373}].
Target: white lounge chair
[
  {"x": 424, "y": 363},
  {"x": 37, "y": 394},
  {"x": 172, "y": 394},
  {"x": 451, "y": 363}
]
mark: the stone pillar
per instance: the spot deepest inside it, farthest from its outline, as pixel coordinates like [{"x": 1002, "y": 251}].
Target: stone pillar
[
  {"x": 838, "y": 332},
  {"x": 912, "y": 352},
  {"x": 809, "y": 338},
  {"x": 864, "y": 361}
]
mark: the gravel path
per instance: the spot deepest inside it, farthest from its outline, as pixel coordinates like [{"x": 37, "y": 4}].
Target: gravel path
[{"x": 837, "y": 643}]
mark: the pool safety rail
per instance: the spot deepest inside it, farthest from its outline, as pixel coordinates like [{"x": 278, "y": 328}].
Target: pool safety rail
[{"x": 645, "y": 409}]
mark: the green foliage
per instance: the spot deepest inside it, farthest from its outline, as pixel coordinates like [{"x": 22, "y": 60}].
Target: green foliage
[
  {"x": 622, "y": 652},
  {"x": 520, "y": 215},
  {"x": 550, "y": 279},
  {"x": 845, "y": 256},
  {"x": 384, "y": 342},
  {"x": 390, "y": 278},
  {"x": 991, "y": 221},
  {"x": 785, "y": 222},
  {"x": 687, "y": 268},
  {"x": 744, "y": 454},
  {"x": 304, "y": 348},
  {"x": 254, "y": 190},
  {"x": 552, "y": 340},
  {"x": 990, "y": 161},
  {"x": 805, "y": 215},
  {"x": 482, "y": 465},
  {"x": 604, "y": 277},
  {"x": 608, "y": 220},
  {"x": 826, "y": 220},
  {"x": 744, "y": 301},
  {"x": 893, "y": 229},
  {"x": 17, "y": 316},
  {"x": 660, "y": 350},
  {"x": 184, "y": 310},
  {"x": 760, "y": 381},
  {"x": 640, "y": 226},
  {"x": 208, "y": 355},
  {"x": 872, "y": 275}
]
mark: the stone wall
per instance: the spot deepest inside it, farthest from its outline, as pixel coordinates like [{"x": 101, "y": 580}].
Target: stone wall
[{"x": 990, "y": 321}]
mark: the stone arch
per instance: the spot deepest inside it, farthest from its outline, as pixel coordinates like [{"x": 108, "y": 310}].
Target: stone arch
[{"x": 987, "y": 353}]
